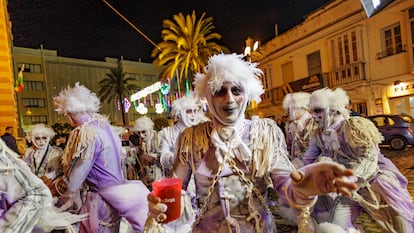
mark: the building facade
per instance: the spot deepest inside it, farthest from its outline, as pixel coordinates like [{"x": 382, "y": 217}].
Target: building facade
[
  {"x": 46, "y": 74},
  {"x": 8, "y": 110},
  {"x": 372, "y": 58}
]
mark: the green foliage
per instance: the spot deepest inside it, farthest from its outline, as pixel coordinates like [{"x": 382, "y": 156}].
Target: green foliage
[
  {"x": 116, "y": 86},
  {"x": 187, "y": 45}
]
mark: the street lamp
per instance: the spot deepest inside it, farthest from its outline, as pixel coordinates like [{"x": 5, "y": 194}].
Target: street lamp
[
  {"x": 251, "y": 47},
  {"x": 249, "y": 52}
]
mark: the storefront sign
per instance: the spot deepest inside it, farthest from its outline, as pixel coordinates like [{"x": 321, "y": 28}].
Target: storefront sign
[
  {"x": 401, "y": 89},
  {"x": 308, "y": 84}
]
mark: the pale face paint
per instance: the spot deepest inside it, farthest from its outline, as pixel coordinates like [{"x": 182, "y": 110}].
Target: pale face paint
[
  {"x": 40, "y": 141},
  {"x": 229, "y": 102}
]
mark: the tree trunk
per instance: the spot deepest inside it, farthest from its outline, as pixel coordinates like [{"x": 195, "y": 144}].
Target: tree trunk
[{"x": 122, "y": 110}]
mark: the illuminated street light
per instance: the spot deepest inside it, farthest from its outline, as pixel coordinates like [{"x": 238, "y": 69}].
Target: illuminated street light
[{"x": 251, "y": 47}]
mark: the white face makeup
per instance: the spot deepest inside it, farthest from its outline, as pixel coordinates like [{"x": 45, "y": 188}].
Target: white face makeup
[
  {"x": 143, "y": 134},
  {"x": 323, "y": 119},
  {"x": 228, "y": 102},
  {"x": 40, "y": 141},
  {"x": 190, "y": 116}
]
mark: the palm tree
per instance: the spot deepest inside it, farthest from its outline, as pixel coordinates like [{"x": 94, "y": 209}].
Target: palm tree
[
  {"x": 115, "y": 86},
  {"x": 187, "y": 44}
]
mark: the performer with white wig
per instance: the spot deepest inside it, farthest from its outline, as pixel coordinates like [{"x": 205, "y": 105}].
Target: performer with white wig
[
  {"x": 144, "y": 156},
  {"x": 187, "y": 112},
  {"x": 353, "y": 141},
  {"x": 301, "y": 125},
  {"x": 234, "y": 159},
  {"x": 92, "y": 164},
  {"x": 44, "y": 159}
]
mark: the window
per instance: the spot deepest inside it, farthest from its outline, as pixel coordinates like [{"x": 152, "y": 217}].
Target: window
[
  {"x": 380, "y": 121},
  {"x": 33, "y": 85},
  {"x": 31, "y": 120},
  {"x": 149, "y": 78},
  {"x": 267, "y": 76},
  {"x": 135, "y": 76},
  {"x": 391, "y": 41},
  {"x": 287, "y": 72},
  {"x": 346, "y": 48},
  {"x": 30, "y": 68},
  {"x": 314, "y": 63},
  {"x": 33, "y": 102},
  {"x": 347, "y": 57}
]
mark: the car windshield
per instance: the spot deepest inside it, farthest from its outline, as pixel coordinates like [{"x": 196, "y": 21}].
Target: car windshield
[{"x": 407, "y": 118}]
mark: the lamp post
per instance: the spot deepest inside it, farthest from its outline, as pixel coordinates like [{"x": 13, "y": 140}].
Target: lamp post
[
  {"x": 249, "y": 50},
  {"x": 251, "y": 47}
]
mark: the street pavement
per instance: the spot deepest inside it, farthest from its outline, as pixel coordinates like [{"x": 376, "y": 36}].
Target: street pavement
[{"x": 404, "y": 160}]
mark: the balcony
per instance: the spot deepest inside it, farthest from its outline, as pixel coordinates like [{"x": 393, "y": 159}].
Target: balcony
[
  {"x": 391, "y": 51},
  {"x": 347, "y": 74}
]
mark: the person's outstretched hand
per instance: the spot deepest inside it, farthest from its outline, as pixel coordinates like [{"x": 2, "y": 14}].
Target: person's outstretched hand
[
  {"x": 322, "y": 178},
  {"x": 156, "y": 209}
]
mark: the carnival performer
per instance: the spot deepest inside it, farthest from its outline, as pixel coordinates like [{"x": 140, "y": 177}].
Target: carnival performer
[
  {"x": 23, "y": 196},
  {"x": 187, "y": 111},
  {"x": 353, "y": 141},
  {"x": 234, "y": 159},
  {"x": 44, "y": 159},
  {"x": 301, "y": 125},
  {"x": 92, "y": 168},
  {"x": 143, "y": 159}
]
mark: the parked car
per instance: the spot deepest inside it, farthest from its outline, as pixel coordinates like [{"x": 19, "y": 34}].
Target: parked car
[{"x": 397, "y": 129}]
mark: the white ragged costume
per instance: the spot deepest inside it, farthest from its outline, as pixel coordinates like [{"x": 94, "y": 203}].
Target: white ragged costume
[
  {"x": 234, "y": 160},
  {"x": 187, "y": 112},
  {"x": 353, "y": 141},
  {"x": 44, "y": 160},
  {"x": 93, "y": 180},
  {"x": 143, "y": 158},
  {"x": 301, "y": 125}
]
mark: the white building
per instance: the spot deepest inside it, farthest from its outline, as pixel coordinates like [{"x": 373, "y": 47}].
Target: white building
[{"x": 339, "y": 46}]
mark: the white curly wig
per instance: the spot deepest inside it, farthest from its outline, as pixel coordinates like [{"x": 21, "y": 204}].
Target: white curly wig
[
  {"x": 296, "y": 100},
  {"x": 326, "y": 98},
  {"x": 42, "y": 129},
  {"x": 320, "y": 99},
  {"x": 78, "y": 99},
  {"x": 229, "y": 68},
  {"x": 183, "y": 103},
  {"x": 339, "y": 101},
  {"x": 143, "y": 123}
]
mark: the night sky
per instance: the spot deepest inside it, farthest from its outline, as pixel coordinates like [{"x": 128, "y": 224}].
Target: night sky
[{"x": 89, "y": 29}]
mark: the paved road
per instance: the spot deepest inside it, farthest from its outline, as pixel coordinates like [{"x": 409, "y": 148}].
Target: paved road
[{"x": 404, "y": 160}]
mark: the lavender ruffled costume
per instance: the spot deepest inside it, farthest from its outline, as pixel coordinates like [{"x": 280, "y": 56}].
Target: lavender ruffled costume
[
  {"x": 93, "y": 156},
  {"x": 381, "y": 192},
  {"x": 233, "y": 204}
]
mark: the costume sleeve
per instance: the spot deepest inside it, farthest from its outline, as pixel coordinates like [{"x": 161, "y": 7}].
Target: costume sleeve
[
  {"x": 25, "y": 193},
  {"x": 312, "y": 152},
  {"x": 81, "y": 167},
  {"x": 166, "y": 150}
]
